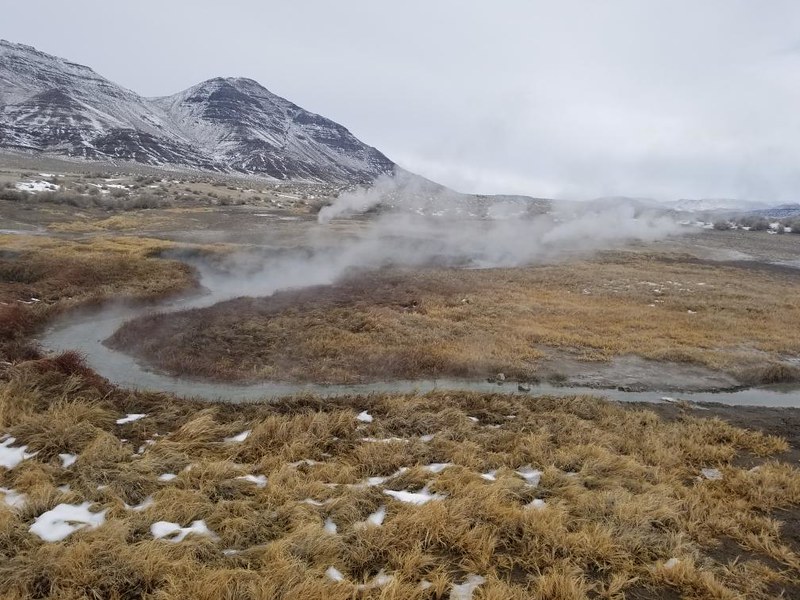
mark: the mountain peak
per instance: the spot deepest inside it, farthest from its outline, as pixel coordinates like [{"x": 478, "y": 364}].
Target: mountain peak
[{"x": 230, "y": 124}]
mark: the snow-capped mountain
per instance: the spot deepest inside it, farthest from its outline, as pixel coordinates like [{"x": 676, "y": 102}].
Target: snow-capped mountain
[{"x": 53, "y": 106}]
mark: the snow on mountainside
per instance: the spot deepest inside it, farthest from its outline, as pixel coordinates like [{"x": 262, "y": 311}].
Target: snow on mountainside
[
  {"x": 712, "y": 204},
  {"x": 250, "y": 129},
  {"x": 50, "y": 105}
]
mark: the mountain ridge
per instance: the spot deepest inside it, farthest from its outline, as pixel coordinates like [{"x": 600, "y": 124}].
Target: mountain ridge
[{"x": 52, "y": 106}]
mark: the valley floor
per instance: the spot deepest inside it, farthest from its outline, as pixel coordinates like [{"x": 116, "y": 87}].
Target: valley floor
[{"x": 115, "y": 493}]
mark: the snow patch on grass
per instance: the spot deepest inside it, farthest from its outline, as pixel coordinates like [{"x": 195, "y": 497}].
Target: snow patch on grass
[
  {"x": 11, "y": 456},
  {"x": 330, "y": 526},
  {"x": 130, "y": 418},
  {"x": 421, "y": 497},
  {"x": 64, "y": 520},
  {"x": 13, "y": 498},
  {"x": 67, "y": 460},
  {"x": 172, "y": 532},
  {"x": 259, "y": 480},
  {"x": 437, "y": 467},
  {"x": 463, "y": 591},
  {"x": 239, "y": 437},
  {"x": 144, "y": 505},
  {"x": 530, "y": 475},
  {"x": 364, "y": 417}
]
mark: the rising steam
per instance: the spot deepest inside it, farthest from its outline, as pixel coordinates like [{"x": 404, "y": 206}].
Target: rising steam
[{"x": 423, "y": 224}]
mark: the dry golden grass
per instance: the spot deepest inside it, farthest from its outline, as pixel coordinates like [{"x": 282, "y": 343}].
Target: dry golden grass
[
  {"x": 440, "y": 322},
  {"x": 621, "y": 488},
  {"x": 41, "y": 277}
]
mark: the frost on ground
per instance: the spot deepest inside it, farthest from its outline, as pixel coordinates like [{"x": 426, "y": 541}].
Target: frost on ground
[
  {"x": 65, "y": 519},
  {"x": 130, "y": 418},
  {"x": 172, "y": 532},
  {"x": 11, "y": 456}
]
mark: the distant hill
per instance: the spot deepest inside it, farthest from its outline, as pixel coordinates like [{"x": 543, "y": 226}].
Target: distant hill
[{"x": 51, "y": 106}]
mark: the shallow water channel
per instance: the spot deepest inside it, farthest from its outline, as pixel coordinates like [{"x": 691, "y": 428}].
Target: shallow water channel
[{"x": 86, "y": 333}]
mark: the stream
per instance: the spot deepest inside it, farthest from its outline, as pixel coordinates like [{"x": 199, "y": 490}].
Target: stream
[{"x": 86, "y": 333}]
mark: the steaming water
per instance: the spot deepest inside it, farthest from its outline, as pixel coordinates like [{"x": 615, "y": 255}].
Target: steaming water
[
  {"x": 504, "y": 238},
  {"x": 86, "y": 335}
]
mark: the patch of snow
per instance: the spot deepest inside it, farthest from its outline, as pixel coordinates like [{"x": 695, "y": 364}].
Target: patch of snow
[
  {"x": 490, "y": 475},
  {"x": 330, "y": 526},
  {"x": 239, "y": 437},
  {"x": 364, "y": 417},
  {"x": 426, "y": 438},
  {"x": 380, "y": 580},
  {"x": 130, "y": 418},
  {"x": 144, "y": 505},
  {"x": 259, "y": 480},
  {"x": 374, "y": 520},
  {"x": 334, "y": 574},
  {"x": 64, "y": 489},
  {"x": 64, "y": 520},
  {"x": 312, "y": 502},
  {"x": 230, "y": 551},
  {"x": 536, "y": 503},
  {"x": 144, "y": 446},
  {"x": 67, "y": 460},
  {"x": 172, "y": 532},
  {"x": 418, "y": 498},
  {"x": 167, "y": 477},
  {"x": 473, "y": 419},
  {"x": 437, "y": 467},
  {"x": 530, "y": 475},
  {"x": 711, "y": 474},
  {"x": 36, "y": 186},
  {"x": 384, "y": 440},
  {"x": 671, "y": 563},
  {"x": 10, "y": 456},
  {"x": 13, "y": 498},
  {"x": 464, "y": 590}
]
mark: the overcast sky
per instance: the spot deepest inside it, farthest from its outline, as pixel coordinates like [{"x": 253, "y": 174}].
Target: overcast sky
[{"x": 577, "y": 99}]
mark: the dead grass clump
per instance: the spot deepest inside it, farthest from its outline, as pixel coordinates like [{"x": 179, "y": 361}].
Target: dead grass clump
[{"x": 771, "y": 374}]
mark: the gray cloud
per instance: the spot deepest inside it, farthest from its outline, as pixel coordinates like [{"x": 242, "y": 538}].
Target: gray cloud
[{"x": 572, "y": 99}]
